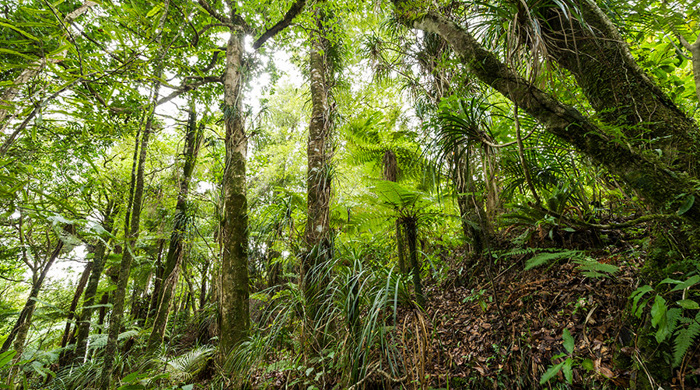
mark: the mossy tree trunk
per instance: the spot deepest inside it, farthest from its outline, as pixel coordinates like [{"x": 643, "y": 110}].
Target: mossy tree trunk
[
  {"x": 660, "y": 186},
  {"x": 193, "y": 139},
  {"x": 409, "y": 223},
  {"x": 65, "y": 354},
  {"x": 98, "y": 261},
  {"x": 473, "y": 218},
  {"x": 132, "y": 220},
  {"x": 318, "y": 177},
  {"x": 618, "y": 89},
  {"x": 391, "y": 173},
  {"x": 233, "y": 305}
]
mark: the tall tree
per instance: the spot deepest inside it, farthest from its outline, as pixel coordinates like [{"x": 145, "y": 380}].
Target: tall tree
[
  {"x": 132, "y": 221},
  {"x": 98, "y": 262},
  {"x": 233, "y": 305},
  {"x": 19, "y": 331},
  {"x": 319, "y": 147},
  {"x": 193, "y": 138}
]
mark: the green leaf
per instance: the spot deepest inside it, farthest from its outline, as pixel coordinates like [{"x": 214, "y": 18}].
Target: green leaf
[
  {"x": 26, "y": 34},
  {"x": 688, "y": 304},
  {"x": 693, "y": 280},
  {"x": 568, "y": 373},
  {"x": 588, "y": 364},
  {"x": 154, "y": 10},
  {"x": 187, "y": 387},
  {"x": 568, "y": 341},
  {"x": 6, "y": 357},
  {"x": 549, "y": 374},
  {"x": 658, "y": 310},
  {"x": 134, "y": 376},
  {"x": 8, "y": 51},
  {"x": 687, "y": 204}
]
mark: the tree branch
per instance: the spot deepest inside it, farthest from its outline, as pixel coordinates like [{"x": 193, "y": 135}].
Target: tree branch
[
  {"x": 212, "y": 12},
  {"x": 294, "y": 10}
]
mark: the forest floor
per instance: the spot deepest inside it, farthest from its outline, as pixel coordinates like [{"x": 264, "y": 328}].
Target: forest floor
[
  {"x": 500, "y": 327},
  {"x": 505, "y": 334}
]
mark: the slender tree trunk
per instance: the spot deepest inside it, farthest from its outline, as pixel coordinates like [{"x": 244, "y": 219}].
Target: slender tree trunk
[
  {"x": 98, "y": 262},
  {"x": 491, "y": 181},
  {"x": 203, "y": 288},
  {"x": 521, "y": 155},
  {"x": 65, "y": 354},
  {"x": 157, "y": 284},
  {"x": 318, "y": 177},
  {"x": 233, "y": 305},
  {"x": 390, "y": 165},
  {"x": 193, "y": 139},
  {"x": 131, "y": 228},
  {"x": 412, "y": 239},
  {"x": 474, "y": 221},
  {"x": 19, "y": 330}
]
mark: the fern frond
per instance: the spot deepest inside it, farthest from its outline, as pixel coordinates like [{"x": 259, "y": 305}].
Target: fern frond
[
  {"x": 544, "y": 258},
  {"x": 685, "y": 338}
]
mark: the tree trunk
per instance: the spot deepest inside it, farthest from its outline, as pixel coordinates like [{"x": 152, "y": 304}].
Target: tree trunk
[
  {"x": 193, "y": 139},
  {"x": 617, "y": 88},
  {"x": 91, "y": 289},
  {"x": 73, "y": 306},
  {"x": 233, "y": 305},
  {"x": 318, "y": 178},
  {"x": 19, "y": 330},
  {"x": 203, "y": 288},
  {"x": 474, "y": 222},
  {"x": 390, "y": 165},
  {"x": 412, "y": 239},
  {"x": 660, "y": 186},
  {"x": 157, "y": 284}
]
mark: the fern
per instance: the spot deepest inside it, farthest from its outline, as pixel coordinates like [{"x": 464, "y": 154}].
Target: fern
[
  {"x": 544, "y": 258},
  {"x": 685, "y": 338},
  {"x": 594, "y": 269},
  {"x": 586, "y": 264}
]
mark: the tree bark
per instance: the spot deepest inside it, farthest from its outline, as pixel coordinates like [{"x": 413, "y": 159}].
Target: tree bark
[
  {"x": 71, "y": 311},
  {"x": 660, "y": 186},
  {"x": 19, "y": 330},
  {"x": 412, "y": 239},
  {"x": 474, "y": 221},
  {"x": 98, "y": 262},
  {"x": 617, "y": 88},
  {"x": 193, "y": 139},
  {"x": 390, "y": 165},
  {"x": 318, "y": 177},
  {"x": 233, "y": 305},
  {"x": 157, "y": 284}
]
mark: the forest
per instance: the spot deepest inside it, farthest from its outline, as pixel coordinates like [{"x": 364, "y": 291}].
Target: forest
[{"x": 332, "y": 194}]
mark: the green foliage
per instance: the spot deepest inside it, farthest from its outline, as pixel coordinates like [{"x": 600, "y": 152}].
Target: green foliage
[
  {"x": 678, "y": 322},
  {"x": 586, "y": 264}
]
